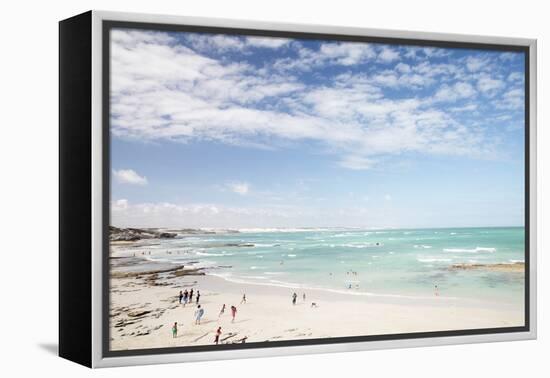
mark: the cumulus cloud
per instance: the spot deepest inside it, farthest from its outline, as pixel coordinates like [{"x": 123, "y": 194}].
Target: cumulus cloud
[
  {"x": 129, "y": 176},
  {"x": 165, "y": 90},
  {"x": 475, "y": 64},
  {"x": 512, "y": 99},
  {"x": 167, "y": 214},
  {"x": 388, "y": 55},
  {"x": 459, "y": 90},
  {"x": 489, "y": 85},
  {"x": 267, "y": 42}
]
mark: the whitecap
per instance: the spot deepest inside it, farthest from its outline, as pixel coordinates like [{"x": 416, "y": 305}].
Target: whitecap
[
  {"x": 473, "y": 250},
  {"x": 430, "y": 260}
]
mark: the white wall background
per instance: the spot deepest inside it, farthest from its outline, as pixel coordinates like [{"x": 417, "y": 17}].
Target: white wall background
[{"x": 28, "y": 200}]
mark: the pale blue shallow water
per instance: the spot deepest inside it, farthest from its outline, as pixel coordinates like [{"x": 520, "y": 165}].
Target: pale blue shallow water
[{"x": 405, "y": 262}]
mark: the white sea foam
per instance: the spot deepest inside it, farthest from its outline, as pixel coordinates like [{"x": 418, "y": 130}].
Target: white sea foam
[
  {"x": 423, "y": 246},
  {"x": 432, "y": 259},
  {"x": 361, "y": 245},
  {"x": 265, "y": 230},
  {"x": 213, "y": 254},
  {"x": 294, "y": 285},
  {"x": 474, "y": 250}
]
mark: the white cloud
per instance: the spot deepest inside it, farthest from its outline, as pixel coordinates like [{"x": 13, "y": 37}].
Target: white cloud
[
  {"x": 388, "y": 55},
  {"x": 218, "y": 42},
  {"x": 196, "y": 215},
  {"x": 464, "y": 108},
  {"x": 516, "y": 77},
  {"x": 165, "y": 91},
  {"x": 512, "y": 99},
  {"x": 475, "y": 64},
  {"x": 489, "y": 85},
  {"x": 119, "y": 205},
  {"x": 222, "y": 43},
  {"x": 459, "y": 90},
  {"x": 403, "y": 67},
  {"x": 329, "y": 53},
  {"x": 267, "y": 42},
  {"x": 241, "y": 188},
  {"x": 347, "y": 53},
  {"x": 129, "y": 176}
]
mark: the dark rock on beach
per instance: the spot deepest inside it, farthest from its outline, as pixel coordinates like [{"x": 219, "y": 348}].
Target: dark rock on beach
[
  {"x": 134, "y": 234},
  {"x": 517, "y": 267}
]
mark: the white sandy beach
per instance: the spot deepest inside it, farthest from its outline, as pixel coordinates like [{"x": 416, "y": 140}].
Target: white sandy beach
[{"x": 144, "y": 308}]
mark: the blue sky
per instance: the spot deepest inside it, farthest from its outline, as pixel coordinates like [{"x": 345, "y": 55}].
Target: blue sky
[{"x": 229, "y": 131}]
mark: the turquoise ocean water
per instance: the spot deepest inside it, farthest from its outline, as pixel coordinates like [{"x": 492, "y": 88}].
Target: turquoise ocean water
[{"x": 408, "y": 262}]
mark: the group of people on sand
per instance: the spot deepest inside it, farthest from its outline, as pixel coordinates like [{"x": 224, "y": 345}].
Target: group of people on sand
[
  {"x": 187, "y": 297},
  {"x": 295, "y": 297},
  {"x": 233, "y": 312}
]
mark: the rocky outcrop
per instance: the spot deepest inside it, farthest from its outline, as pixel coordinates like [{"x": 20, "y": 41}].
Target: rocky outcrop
[
  {"x": 518, "y": 267},
  {"x": 134, "y": 234}
]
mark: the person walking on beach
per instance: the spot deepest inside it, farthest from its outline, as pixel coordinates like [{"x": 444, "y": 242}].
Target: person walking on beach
[
  {"x": 198, "y": 296},
  {"x": 436, "y": 291},
  {"x": 304, "y": 296},
  {"x": 191, "y": 296},
  {"x": 244, "y": 299},
  {"x": 175, "y": 330},
  {"x": 181, "y": 296},
  {"x": 294, "y": 296},
  {"x": 185, "y": 297},
  {"x": 222, "y": 310},
  {"x": 198, "y": 314},
  {"x": 218, "y": 334},
  {"x": 233, "y": 313}
]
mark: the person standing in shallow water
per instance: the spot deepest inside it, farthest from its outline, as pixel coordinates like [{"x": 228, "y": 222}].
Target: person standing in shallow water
[
  {"x": 294, "y": 296},
  {"x": 198, "y": 296},
  {"x": 185, "y": 297},
  {"x": 181, "y": 296},
  {"x": 191, "y": 296}
]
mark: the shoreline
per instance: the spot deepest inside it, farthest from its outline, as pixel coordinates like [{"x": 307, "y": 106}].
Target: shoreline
[
  {"x": 144, "y": 306},
  {"x": 149, "y": 265}
]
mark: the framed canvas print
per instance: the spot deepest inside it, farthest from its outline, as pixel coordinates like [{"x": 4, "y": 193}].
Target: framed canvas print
[{"x": 235, "y": 189}]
